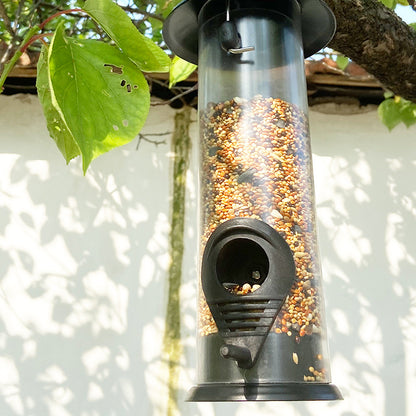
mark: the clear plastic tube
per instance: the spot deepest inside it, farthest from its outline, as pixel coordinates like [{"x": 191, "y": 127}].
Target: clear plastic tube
[{"x": 255, "y": 162}]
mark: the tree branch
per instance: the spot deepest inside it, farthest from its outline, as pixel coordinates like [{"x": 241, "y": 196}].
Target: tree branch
[
  {"x": 6, "y": 20},
  {"x": 182, "y": 94},
  {"x": 18, "y": 13},
  {"x": 155, "y": 142},
  {"x": 69, "y": 11},
  {"x": 9, "y": 65},
  {"x": 374, "y": 37},
  {"x": 143, "y": 12}
]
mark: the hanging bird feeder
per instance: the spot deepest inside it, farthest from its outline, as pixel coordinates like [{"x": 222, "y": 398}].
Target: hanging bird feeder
[{"x": 262, "y": 333}]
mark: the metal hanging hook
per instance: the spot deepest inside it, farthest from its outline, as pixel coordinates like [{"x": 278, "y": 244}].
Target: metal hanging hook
[
  {"x": 230, "y": 38},
  {"x": 237, "y": 51}
]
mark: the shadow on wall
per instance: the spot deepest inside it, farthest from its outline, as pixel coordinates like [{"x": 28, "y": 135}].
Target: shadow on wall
[
  {"x": 366, "y": 214},
  {"x": 83, "y": 262},
  {"x": 366, "y": 203}
]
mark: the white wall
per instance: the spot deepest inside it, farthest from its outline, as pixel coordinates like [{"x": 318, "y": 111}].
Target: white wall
[{"x": 83, "y": 263}]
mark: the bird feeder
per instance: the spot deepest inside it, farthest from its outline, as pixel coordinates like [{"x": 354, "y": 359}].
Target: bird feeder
[{"x": 261, "y": 333}]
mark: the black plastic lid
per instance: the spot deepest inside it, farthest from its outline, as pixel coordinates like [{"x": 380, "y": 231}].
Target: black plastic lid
[{"x": 180, "y": 30}]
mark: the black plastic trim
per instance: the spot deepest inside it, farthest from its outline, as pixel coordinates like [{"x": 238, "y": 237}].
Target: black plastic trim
[
  {"x": 235, "y": 392},
  {"x": 180, "y": 30},
  {"x": 252, "y": 314}
]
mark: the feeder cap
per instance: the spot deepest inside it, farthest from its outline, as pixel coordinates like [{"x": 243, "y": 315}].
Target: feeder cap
[{"x": 180, "y": 30}]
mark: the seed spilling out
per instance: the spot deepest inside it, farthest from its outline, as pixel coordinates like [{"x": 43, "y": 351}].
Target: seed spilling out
[{"x": 295, "y": 358}]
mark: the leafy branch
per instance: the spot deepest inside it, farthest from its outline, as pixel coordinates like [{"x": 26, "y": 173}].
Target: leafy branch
[
  {"x": 9, "y": 65},
  {"x": 7, "y": 22},
  {"x": 94, "y": 95},
  {"x": 57, "y": 14},
  {"x": 395, "y": 110},
  {"x": 11, "y": 30}
]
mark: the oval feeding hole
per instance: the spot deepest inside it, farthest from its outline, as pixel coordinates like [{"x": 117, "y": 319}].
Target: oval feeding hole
[
  {"x": 115, "y": 127},
  {"x": 125, "y": 123},
  {"x": 242, "y": 266}
]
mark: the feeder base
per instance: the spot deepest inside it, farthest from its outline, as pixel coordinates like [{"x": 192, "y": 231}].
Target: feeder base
[{"x": 235, "y": 392}]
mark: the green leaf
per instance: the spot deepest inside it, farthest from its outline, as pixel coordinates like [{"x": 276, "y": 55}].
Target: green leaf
[
  {"x": 99, "y": 93},
  {"x": 141, "y": 50},
  {"x": 391, "y": 4},
  {"x": 180, "y": 70},
  {"x": 388, "y": 94},
  {"x": 389, "y": 112},
  {"x": 56, "y": 125},
  {"x": 413, "y": 25},
  {"x": 342, "y": 62},
  {"x": 396, "y": 110},
  {"x": 408, "y": 112}
]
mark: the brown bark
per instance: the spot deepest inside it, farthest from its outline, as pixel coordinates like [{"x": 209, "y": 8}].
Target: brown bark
[{"x": 377, "y": 39}]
